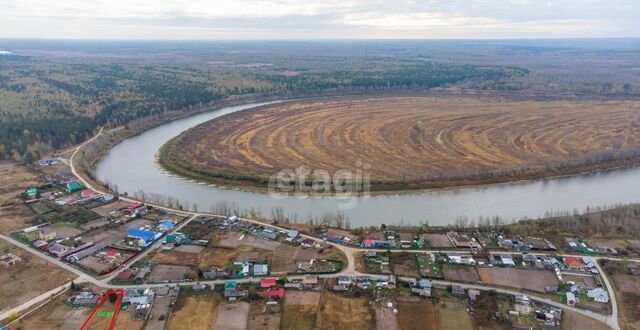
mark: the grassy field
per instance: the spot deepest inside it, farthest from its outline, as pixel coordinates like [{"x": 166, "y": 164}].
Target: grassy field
[
  {"x": 14, "y": 179},
  {"x": 300, "y": 310},
  {"x": 338, "y": 312},
  {"x": 422, "y": 141},
  {"x": 450, "y": 318},
  {"x": 29, "y": 278},
  {"x": 194, "y": 312}
]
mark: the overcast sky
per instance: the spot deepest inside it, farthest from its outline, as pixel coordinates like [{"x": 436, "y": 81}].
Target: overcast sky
[{"x": 320, "y": 19}]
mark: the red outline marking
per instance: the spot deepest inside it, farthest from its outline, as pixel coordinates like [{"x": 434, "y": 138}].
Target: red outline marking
[{"x": 120, "y": 293}]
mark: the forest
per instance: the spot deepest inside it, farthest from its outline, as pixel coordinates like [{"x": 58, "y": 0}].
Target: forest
[{"x": 54, "y": 94}]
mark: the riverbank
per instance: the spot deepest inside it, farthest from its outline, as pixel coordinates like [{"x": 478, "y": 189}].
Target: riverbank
[{"x": 244, "y": 149}]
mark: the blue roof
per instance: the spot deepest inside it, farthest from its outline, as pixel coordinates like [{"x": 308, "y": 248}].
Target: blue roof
[
  {"x": 143, "y": 234},
  {"x": 293, "y": 233},
  {"x": 167, "y": 223}
]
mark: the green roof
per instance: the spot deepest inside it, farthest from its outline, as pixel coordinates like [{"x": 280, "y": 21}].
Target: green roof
[
  {"x": 74, "y": 186},
  {"x": 32, "y": 191},
  {"x": 230, "y": 285}
]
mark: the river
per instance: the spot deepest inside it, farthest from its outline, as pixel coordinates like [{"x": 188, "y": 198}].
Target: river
[{"x": 131, "y": 166}]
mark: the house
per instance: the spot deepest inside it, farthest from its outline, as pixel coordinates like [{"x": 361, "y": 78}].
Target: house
[
  {"x": 345, "y": 280},
  {"x": 85, "y": 298},
  {"x": 473, "y": 295},
  {"x": 571, "y": 298},
  {"x": 368, "y": 243},
  {"x": 635, "y": 271},
  {"x": 293, "y": 285},
  {"x": 267, "y": 283},
  {"x": 307, "y": 243},
  {"x": 599, "y": 295},
  {"x": 106, "y": 198},
  {"x": 426, "y": 292},
  {"x": 234, "y": 295},
  {"x": 47, "y": 233},
  {"x": 457, "y": 290},
  {"x": 268, "y": 234},
  {"x": 58, "y": 250},
  {"x": 293, "y": 234},
  {"x": 39, "y": 244},
  {"x": 166, "y": 225},
  {"x": 32, "y": 191},
  {"x": 274, "y": 293},
  {"x": 177, "y": 238},
  {"x": 87, "y": 193},
  {"x": 74, "y": 186},
  {"x": 423, "y": 284},
  {"x": 9, "y": 259},
  {"x": 310, "y": 281},
  {"x": 339, "y": 288},
  {"x": 260, "y": 269},
  {"x": 230, "y": 286},
  {"x": 137, "y": 296},
  {"x": 143, "y": 237},
  {"x": 124, "y": 276},
  {"x": 523, "y": 300},
  {"x": 573, "y": 263},
  {"x": 110, "y": 254},
  {"x": 507, "y": 260}
]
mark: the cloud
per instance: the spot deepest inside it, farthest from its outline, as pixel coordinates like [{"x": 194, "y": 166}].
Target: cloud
[{"x": 275, "y": 19}]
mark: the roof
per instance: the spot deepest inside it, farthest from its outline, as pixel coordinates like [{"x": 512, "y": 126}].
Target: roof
[
  {"x": 133, "y": 206},
  {"x": 424, "y": 283},
  {"x": 267, "y": 282},
  {"x": 139, "y": 233},
  {"x": 573, "y": 261},
  {"x": 125, "y": 275},
  {"x": 230, "y": 285},
  {"x": 293, "y": 233},
  {"x": 46, "y": 230},
  {"x": 260, "y": 268},
  {"x": 276, "y": 293},
  {"x": 111, "y": 253},
  {"x": 369, "y": 242}
]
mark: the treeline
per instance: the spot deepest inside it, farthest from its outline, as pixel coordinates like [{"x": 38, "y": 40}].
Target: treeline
[{"x": 62, "y": 103}]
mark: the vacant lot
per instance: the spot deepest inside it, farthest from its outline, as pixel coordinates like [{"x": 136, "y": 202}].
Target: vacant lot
[
  {"x": 461, "y": 274},
  {"x": 337, "y": 312},
  {"x": 29, "y": 278},
  {"x": 573, "y": 320},
  {"x": 437, "y": 240},
  {"x": 161, "y": 273},
  {"x": 385, "y": 319},
  {"x": 194, "y": 312},
  {"x": 14, "y": 179},
  {"x": 404, "y": 138},
  {"x": 232, "y": 316},
  {"x": 416, "y": 316},
  {"x": 534, "y": 280},
  {"x": 404, "y": 264},
  {"x": 300, "y": 310},
  {"x": 264, "y": 316},
  {"x": 451, "y": 317}
]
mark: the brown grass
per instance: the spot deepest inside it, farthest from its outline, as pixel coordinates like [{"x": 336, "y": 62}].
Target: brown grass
[
  {"x": 528, "y": 279},
  {"x": 417, "y": 316},
  {"x": 14, "y": 179},
  {"x": 28, "y": 279},
  {"x": 194, "y": 312},
  {"x": 337, "y": 312},
  {"x": 573, "y": 320},
  {"x": 404, "y": 138},
  {"x": 299, "y": 310},
  {"x": 452, "y": 318}
]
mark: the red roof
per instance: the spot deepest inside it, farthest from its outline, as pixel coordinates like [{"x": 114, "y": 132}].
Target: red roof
[
  {"x": 133, "y": 206},
  {"x": 267, "y": 282},
  {"x": 111, "y": 253},
  {"x": 86, "y": 193},
  {"x": 369, "y": 242},
  {"x": 573, "y": 261},
  {"x": 276, "y": 293},
  {"x": 123, "y": 276}
]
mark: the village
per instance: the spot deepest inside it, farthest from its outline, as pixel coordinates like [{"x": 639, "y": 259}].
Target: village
[{"x": 153, "y": 267}]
